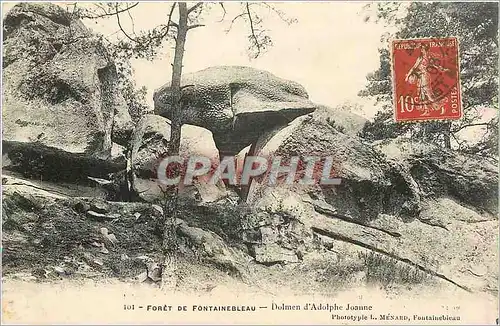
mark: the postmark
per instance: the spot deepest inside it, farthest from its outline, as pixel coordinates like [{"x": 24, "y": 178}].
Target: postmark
[{"x": 426, "y": 79}]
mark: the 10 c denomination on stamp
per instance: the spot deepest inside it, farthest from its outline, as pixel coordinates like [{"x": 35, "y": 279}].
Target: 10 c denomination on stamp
[{"x": 426, "y": 79}]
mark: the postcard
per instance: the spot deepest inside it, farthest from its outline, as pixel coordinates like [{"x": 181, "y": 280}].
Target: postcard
[{"x": 266, "y": 163}]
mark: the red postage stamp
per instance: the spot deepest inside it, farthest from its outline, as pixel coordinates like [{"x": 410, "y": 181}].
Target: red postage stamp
[{"x": 426, "y": 79}]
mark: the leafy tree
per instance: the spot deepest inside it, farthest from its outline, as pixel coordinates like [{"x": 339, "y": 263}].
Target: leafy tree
[
  {"x": 180, "y": 20},
  {"x": 476, "y": 26},
  {"x": 136, "y": 99}
]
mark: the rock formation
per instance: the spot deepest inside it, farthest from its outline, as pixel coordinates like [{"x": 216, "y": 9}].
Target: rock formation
[
  {"x": 149, "y": 144},
  {"x": 405, "y": 213},
  {"x": 61, "y": 106},
  {"x": 370, "y": 184},
  {"x": 237, "y": 104},
  {"x": 407, "y": 201}
]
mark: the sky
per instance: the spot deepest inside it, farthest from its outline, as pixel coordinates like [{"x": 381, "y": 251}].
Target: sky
[{"x": 330, "y": 50}]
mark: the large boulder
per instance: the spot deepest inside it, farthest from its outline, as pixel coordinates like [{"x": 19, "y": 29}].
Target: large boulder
[
  {"x": 237, "y": 104},
  {"x": 149, "y": 145},
  {"x": 370, "y": 184},
  {"x": 60, "y": 92}
]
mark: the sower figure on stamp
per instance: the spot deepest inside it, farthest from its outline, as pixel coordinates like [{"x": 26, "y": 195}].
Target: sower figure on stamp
[{"x": 420, "y": 74}]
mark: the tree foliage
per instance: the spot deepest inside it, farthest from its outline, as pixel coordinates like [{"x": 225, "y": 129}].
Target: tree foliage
[{"x": 476, "y": 26}]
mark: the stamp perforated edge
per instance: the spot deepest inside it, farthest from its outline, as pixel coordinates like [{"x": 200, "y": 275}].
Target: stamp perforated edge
[{"x": 393, "y": 82}]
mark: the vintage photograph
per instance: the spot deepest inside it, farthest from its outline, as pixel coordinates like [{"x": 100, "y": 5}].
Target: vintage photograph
[{"x": 250, "y": 163}]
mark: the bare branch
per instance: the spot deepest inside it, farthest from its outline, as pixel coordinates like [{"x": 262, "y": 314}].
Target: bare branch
[
  {"x": 158, "y": 32},
  {"x": 256, "y": 40},
  {"x": 195, "y": 26},
  {"x": 280, "y": 13},
  {"x": 170, "y": 14},
  {"x": 132, "y": 21},
  {"x": 224, "y": 10},
  {"x": 163, "y": 33},
  {"x": 128, "y": 8},
  {"x": 103, "y": 10},
  {"x": 234, "y": 20},
  {"x": 174, "y": 24},
  {"x": 120, "y": 25},
  {"x": 117, "y": 11},
  {"x": 194, "y": 7},
  {"x": 471, "y": 125}
]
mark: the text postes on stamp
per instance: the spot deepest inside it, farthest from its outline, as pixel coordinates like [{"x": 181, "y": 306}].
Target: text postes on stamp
[{"x": 426, "y": 79}]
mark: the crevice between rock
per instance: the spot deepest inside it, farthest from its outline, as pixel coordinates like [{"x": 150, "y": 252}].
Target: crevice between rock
[
  {"x": 427, "y": 222},
  {"x": 329, "y": 212},
  {"x": 340, "y": 237}
]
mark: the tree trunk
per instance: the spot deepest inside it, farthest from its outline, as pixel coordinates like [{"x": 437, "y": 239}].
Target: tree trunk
[
  {"x": 169, "y": 277},
  {"x": 447, "y": 135},
  {"x": 175, "y": 137}
]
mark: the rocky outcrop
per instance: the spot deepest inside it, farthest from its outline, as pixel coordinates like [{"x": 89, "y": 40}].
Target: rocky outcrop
[
  {"x": 60, "y": 95},
  {"x": 470, "y": 179},
  {"x": 370, "y": 184},
  {"x": 399, "y": 203},
  {"x": 47, "y": 234},
  {"x": 458, "y": 252},
  {"x": 149, "y": 145},
  {"x": 52, "y": 231},
  {"x": 237, "y": 104},
  {"x": 341, "y": 118}
]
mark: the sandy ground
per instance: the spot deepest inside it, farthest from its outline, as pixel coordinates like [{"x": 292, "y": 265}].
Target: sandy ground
[{"x": 106, "y": 302}]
